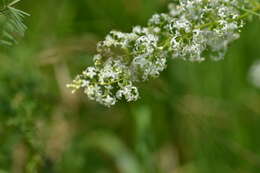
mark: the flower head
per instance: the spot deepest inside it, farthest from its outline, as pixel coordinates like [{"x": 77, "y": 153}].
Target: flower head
[{"x": 192, "y": 30}]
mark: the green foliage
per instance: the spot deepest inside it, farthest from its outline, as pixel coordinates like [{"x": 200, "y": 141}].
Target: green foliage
[{"x": 11, "y": 22}]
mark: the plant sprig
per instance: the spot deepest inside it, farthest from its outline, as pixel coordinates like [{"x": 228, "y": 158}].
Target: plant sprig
[
  {"x": 12, "y": 23},
  {"x": 192, "y": 30}
]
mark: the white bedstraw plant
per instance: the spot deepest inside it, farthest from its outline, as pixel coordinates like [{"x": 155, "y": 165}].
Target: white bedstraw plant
[{"x": 192, "y": 30}]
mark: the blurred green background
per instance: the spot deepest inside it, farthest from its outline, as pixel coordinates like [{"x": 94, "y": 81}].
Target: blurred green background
[{"x": 195, "y": 118}]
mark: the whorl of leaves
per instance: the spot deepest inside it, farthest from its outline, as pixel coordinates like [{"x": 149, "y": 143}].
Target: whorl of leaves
[{"x": 11, "y": 23}]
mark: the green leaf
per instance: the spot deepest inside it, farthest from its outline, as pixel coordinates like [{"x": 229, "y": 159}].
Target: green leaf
[
  {"x": 14, "y": 2},
  {"x": 12, "y": 25}
]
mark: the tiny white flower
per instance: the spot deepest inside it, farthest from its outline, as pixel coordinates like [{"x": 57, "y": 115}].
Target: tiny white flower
[{"x": 109, "y": 101}]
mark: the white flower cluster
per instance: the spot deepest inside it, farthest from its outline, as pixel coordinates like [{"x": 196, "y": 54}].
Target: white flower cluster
[
  {"x": 192, "y": 30},
  {"x": 197, "y": 29}
]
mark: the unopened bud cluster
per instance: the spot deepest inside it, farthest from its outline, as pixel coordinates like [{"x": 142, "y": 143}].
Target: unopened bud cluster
[{"x": 192, "y": 30}]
